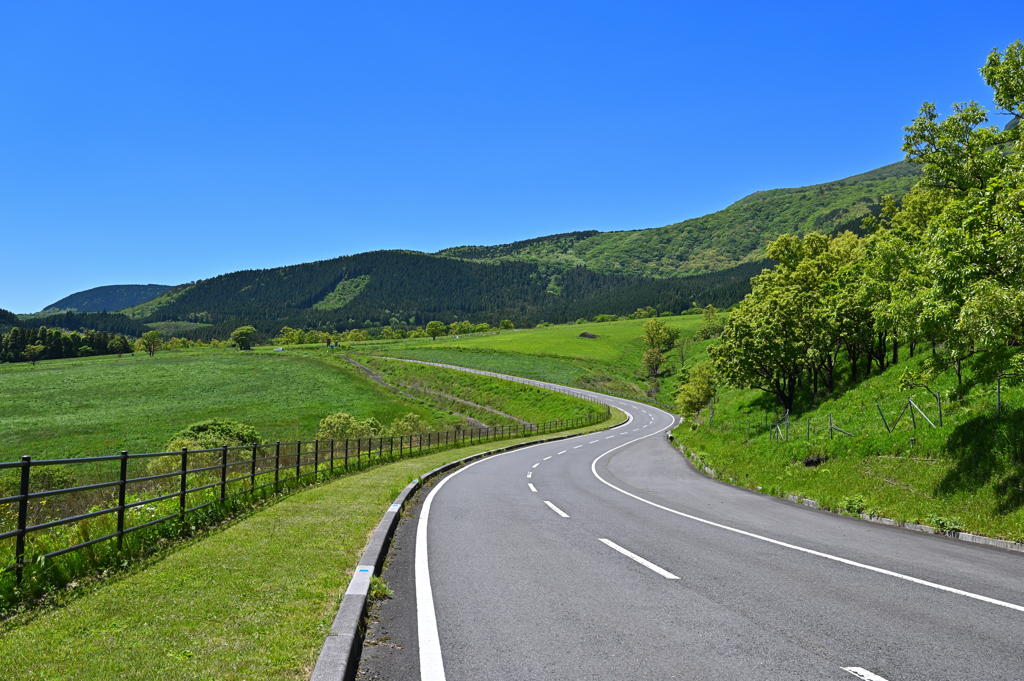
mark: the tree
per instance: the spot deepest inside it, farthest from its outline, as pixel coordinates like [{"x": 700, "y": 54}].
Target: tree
[
  {"x": 697, "y": 390},
  {"x": 436, "y": 329},
  {"x": 150, "y": 342},
  {"x": 658, "y": 335},
  {"x": 33, "y": 352},
  {"x": 243, "y": 336},
  {"x": 506, "y": 325},
  {"x": 652, "y": 361}
]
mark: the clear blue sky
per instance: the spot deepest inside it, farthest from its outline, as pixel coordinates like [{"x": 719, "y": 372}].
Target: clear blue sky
[{"x": 161, "y": 144}]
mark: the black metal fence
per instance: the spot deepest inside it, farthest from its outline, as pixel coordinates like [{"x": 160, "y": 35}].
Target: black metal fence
[{"x": 130, "y": 492}]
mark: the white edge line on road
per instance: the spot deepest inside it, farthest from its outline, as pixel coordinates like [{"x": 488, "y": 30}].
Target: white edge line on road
[
  {"x": 820, "y": 554},
  {"x": 646, "y": 563},
  {"x": 557, "y": 510},
  {"x": 862, "y": 673},
  {"x": 431, "y": 663},
  {"x": 532, "y": 488}
]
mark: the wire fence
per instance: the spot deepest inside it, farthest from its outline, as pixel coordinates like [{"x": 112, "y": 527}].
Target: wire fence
[{"x": 176, "y": 492}]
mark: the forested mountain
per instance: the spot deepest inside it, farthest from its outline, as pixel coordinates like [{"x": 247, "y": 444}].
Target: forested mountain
[
  {"x": 7, "y": 320},
  {"x": 737, "y": 234},
  {"x": 558, "y": 278},
  {"x": 109, "y": 298},
  {"x": 374, "y": 288}
]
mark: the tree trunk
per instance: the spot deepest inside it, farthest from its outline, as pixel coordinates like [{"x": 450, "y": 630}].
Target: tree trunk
[{"x": 895, "y": 350}]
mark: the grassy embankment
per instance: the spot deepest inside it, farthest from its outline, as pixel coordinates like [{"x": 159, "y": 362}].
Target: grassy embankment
[
  {"x": 252, "y": 600},
  {"x": 968, "y": 474},
  {"x": 609, "y": 362},
  {"x": 535, "y": 405}
]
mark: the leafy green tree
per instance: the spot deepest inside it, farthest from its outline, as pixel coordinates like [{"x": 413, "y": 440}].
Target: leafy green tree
[
  {"x": 659, "y": 336},
  {"x": 243, "y": 336},
  {"x": 697, "y": 389},
  {"x": 652, "y": 360},
  {"x": 150, "y": 342},
  {"x": 33, "y": 352},
  {"x": 387, "y": 333},
  {"x": 506, "y": 325},
  {"x": 436, "y": 328},
  {"x": 118, "y": 346}
]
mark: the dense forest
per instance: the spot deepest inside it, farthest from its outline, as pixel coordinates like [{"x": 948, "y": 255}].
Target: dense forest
[
  {"x": 943, "y": 269},
  {"x": 106, "y": 298},
  {"x": 31, "y": 345}
]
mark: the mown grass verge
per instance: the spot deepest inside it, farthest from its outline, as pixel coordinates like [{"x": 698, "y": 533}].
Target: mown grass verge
[{"x": 252, "y": 600}]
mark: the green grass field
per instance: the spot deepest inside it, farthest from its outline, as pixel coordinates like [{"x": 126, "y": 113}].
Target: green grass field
[
  {"x": 555, "y": 353},
  {"x": 101, "y": 405},
  {"x": 252, "y": 600}
]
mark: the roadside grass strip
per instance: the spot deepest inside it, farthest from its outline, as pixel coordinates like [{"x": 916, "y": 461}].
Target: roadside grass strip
[{"x": 252, "y": 600}]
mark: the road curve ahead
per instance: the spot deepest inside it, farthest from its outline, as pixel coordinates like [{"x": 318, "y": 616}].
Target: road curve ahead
[{"x": 608, "y": 556}]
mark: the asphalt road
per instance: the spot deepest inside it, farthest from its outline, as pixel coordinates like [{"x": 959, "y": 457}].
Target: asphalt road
[{"x": 609, "y": 556}]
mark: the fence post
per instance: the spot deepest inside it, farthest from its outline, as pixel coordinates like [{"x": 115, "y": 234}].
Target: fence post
[
  {"x": 359, "y": 453},
  {"x": 808, "y": 428},
  {"x": 401, "y": 446},
  {"x": 830, "y": 425},
  {"x": 19, "y": 549},
  {"x": 332, "y": 455},
  {"x": 938, "y": 400},
  {"x": 277, "y": 467},
  {"x": 298, "y": 458},
  {"x": 252, "y": 472},
  {"x": 391, "y": 447},
  {"x": 419, "y": 440},
  {"x": 223, "y": 472},
  {"x": 316, "y": 458},
  {"x": 184, "y": 486},
  {"x": 346, "y": 455},
  {"x": 120, "y": 499}
]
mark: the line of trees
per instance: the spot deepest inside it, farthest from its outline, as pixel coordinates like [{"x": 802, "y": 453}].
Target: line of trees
[
  {"x": 31, "y": 345},
  {"x": 943, "y": 267}
]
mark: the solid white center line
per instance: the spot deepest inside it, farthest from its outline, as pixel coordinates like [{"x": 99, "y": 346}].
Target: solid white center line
[
  {"x": 862, "y": 673},
  {"x": 536, "y": 464},
  {"x": 646, "y": 563},
  {"x": 529, "y": 474},
  {"x": 577, "y": 446},
  {"x": 557, "y": 510},
  {"x": 532, "y": 488},
  {"x": 561, "y": 452},
  {"x": 546, "y": 458}
]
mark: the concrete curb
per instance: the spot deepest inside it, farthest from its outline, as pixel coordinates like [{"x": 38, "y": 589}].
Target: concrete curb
[
  {"x": 927, "y": 529},
  {"x": 339, "y": 656}
]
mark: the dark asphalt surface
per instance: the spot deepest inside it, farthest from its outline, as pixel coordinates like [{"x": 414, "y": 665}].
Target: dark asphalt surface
[{"x": 523, "y": 593}]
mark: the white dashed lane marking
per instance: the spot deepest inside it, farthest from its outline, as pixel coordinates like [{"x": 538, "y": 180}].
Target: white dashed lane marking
[
  {"x": 557, "y": 510},
  {"x": 546, "y": 458},
  {"x": 862, "y": 673},
  {"x": 577, "y": 446},
  {"x": 561, "y": 452},
  {"x": 529, "y": 474},
  {"x": 536, "y": 464},
  {"x": 532, "y": 488},
  {"x": 646, "y": 563}
]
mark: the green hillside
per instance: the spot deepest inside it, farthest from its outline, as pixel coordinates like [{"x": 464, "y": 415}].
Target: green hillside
[
  {"x": 737, "y": 234},
  {"x": 109, "y": 298}
]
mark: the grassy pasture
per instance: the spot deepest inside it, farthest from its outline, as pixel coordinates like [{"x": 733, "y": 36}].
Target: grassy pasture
[{"x": 101, "y": 405}]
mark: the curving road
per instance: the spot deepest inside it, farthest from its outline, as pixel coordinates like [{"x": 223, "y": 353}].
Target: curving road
[{"x": 608, "y": 556}]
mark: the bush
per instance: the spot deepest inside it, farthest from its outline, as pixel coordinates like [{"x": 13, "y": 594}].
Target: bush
[
  {"x": 699, "y": 389},
  {"x": 215, "y": 433}
]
